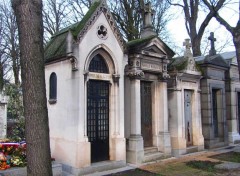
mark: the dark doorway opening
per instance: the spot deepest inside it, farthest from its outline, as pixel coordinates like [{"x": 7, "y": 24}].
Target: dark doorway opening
[
  {"x": 98, "y": 119},
  {"x": 146, "y": 113}
]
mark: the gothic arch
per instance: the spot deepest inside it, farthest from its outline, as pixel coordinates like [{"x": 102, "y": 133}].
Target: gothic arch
[{"x": 107, "y": 55}]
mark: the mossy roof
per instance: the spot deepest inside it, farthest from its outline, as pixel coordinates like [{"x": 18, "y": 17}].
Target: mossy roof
[
  {"x": 137, "y": 44},
  {"x": 178, "y": 63},
  {"x": 56, "y": 48}
]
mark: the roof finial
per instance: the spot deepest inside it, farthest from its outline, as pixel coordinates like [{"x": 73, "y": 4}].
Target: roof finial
[
  {"x": 147, "y": 22},
  {"x": 188, "y": 45},
  {"x": 212, "y": 40}
]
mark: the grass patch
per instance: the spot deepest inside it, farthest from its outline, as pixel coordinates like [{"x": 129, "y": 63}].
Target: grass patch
[
  {"x": 203, "y": 165},
  {"x": 135, "y": 172},
  {"x": 229, "y": 156},
  {"x": 177, "y": 169}
]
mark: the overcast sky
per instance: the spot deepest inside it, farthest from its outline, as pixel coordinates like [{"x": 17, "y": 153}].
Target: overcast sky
[{"x": 230, "y": 14}]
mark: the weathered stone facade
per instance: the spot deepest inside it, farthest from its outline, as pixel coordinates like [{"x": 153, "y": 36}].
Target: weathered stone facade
[
  {"x": 213, "y": 98},
  {"x": 132, "y": 102},
  {"x": 3, "y": 115},
  {"x": 184, "y": 104}
]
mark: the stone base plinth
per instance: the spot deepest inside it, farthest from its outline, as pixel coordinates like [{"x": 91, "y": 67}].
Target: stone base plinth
[{"x": 135, "y": 150}]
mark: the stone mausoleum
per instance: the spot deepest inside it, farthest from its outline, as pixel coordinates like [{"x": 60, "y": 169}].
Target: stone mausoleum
[{"x": 112, "y": 102}]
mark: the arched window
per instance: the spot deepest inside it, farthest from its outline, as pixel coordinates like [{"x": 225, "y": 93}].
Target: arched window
[
  {"x": 98, "y": 65},
  {"x": 53, "y": 88}
]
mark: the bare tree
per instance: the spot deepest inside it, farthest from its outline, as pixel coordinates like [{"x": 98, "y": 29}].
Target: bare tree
[
  {"x": 191, "y": 11},
  {"x": 10, "y": 37},
  {"x": 55, "y": 17},
  {"x": 2, "y": 51},
  {"x": 30, "y": 26},
  {"x": 235, "y": 31},
  {"x": 128, "y": 15},
  {"x": 78, "y": 9},
  {"x": 4, "y": 60}
]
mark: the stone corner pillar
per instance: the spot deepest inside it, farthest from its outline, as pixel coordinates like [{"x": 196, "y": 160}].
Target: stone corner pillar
[
  {"x": 3, "y": 115},
  {"x": 135, "y": 149}
]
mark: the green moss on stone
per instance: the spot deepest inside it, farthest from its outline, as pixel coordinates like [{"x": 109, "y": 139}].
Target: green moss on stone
[
  {"x": 139, "y": 41},
  {"x": 57, "y": 45},
  {"x": 182, "y": 65},
  {"x": 80, "y": 26}
]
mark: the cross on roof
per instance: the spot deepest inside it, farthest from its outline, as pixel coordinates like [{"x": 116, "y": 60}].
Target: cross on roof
[
  {"x": 188, "y": 45},
  {"x": 149, "y": 12},
  {"x": 212, "y": 40}
]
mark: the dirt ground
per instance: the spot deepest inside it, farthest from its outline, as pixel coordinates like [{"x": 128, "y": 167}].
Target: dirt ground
[{"x": 177, "y": 166}]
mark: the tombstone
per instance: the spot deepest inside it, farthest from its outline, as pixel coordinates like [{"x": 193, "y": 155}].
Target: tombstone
[
  {"x": 232, "y": 86},
  {"x": 184, "y": 104},
  {"x": 213, "y": 106},
  {"x": 3, "y": 115},
  {"x": 85, "y": 82}
]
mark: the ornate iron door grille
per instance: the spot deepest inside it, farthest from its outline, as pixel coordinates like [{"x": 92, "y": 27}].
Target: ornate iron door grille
[
  {"x": 146, "y": 113},
  {"x": 98, "y": 119},
  {"x": 215, "y": 112}
]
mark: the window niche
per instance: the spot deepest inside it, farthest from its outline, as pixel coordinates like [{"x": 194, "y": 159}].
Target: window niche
[{"x": 52, "y": 88}]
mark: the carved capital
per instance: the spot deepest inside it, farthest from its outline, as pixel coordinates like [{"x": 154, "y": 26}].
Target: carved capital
[
  {"x": 73, "y": 61},
  {"x": 163, "y": 76},
  {"x": 116, "y": 78},
  {"x": 135, "y": 74}
]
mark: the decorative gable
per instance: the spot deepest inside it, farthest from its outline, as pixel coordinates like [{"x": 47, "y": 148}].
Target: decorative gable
[{"x": 60, "y": 46}]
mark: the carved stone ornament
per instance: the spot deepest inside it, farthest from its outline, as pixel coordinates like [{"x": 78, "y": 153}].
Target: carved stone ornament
[
  {"x": 191, "y": 65},
  {"x": 102, "y": 32},
  {"x": 90, "y": 22},
  {"x": 135, "y": 74},
  {"x": 164, "y": 75}
]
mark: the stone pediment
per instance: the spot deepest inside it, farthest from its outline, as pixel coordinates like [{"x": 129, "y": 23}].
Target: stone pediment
[
  {"x": 152, "y": 46},
  {"x": 154, "y": 51}
]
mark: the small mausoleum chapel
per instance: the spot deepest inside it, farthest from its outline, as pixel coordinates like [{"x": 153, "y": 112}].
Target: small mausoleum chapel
[{"x": 112, "y": 102}]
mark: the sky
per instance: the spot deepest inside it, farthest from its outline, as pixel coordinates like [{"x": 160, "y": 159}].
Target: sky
[{"x": 178, "y": 32}]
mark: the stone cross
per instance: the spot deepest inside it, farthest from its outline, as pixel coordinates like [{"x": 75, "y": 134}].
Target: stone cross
[
  {"x": 148, "y": 13},
  {"x": 188, "y": 45},
  {"x": 212, "y": 40}
]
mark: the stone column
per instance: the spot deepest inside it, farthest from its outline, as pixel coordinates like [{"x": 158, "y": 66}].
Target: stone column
[
  {"x": 135, "y": 151},
  {"x": 198, "y": 139},
  {"x": 164, "y": 143},
  {"x": 3, "y": 115},
  {"x": 232, "y": 119}
]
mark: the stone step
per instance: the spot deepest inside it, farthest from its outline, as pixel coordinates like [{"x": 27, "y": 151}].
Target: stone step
[
  {"x": 192, "y": 149},
  {"x": 150, "y": 150},
  {"x": 93, "y": 168},
  {"x": 66, "y": 174},
  {"x": 153, "y": 156}
]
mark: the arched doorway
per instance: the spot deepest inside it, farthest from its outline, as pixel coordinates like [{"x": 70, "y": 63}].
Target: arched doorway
[{"x": 98, "y": 111}]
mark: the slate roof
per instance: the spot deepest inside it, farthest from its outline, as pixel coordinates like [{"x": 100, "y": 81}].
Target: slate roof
[
  {"x": 56, "y": 48},
  {"x": 217, "y": 60}
]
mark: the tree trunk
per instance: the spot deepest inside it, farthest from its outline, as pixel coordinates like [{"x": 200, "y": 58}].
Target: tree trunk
[
  {"x": 30, "y": 26},
  {"x": 196, "y": 43}
]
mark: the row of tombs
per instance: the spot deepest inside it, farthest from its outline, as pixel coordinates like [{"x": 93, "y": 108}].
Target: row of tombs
[{"x": 133, "y": 102}]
